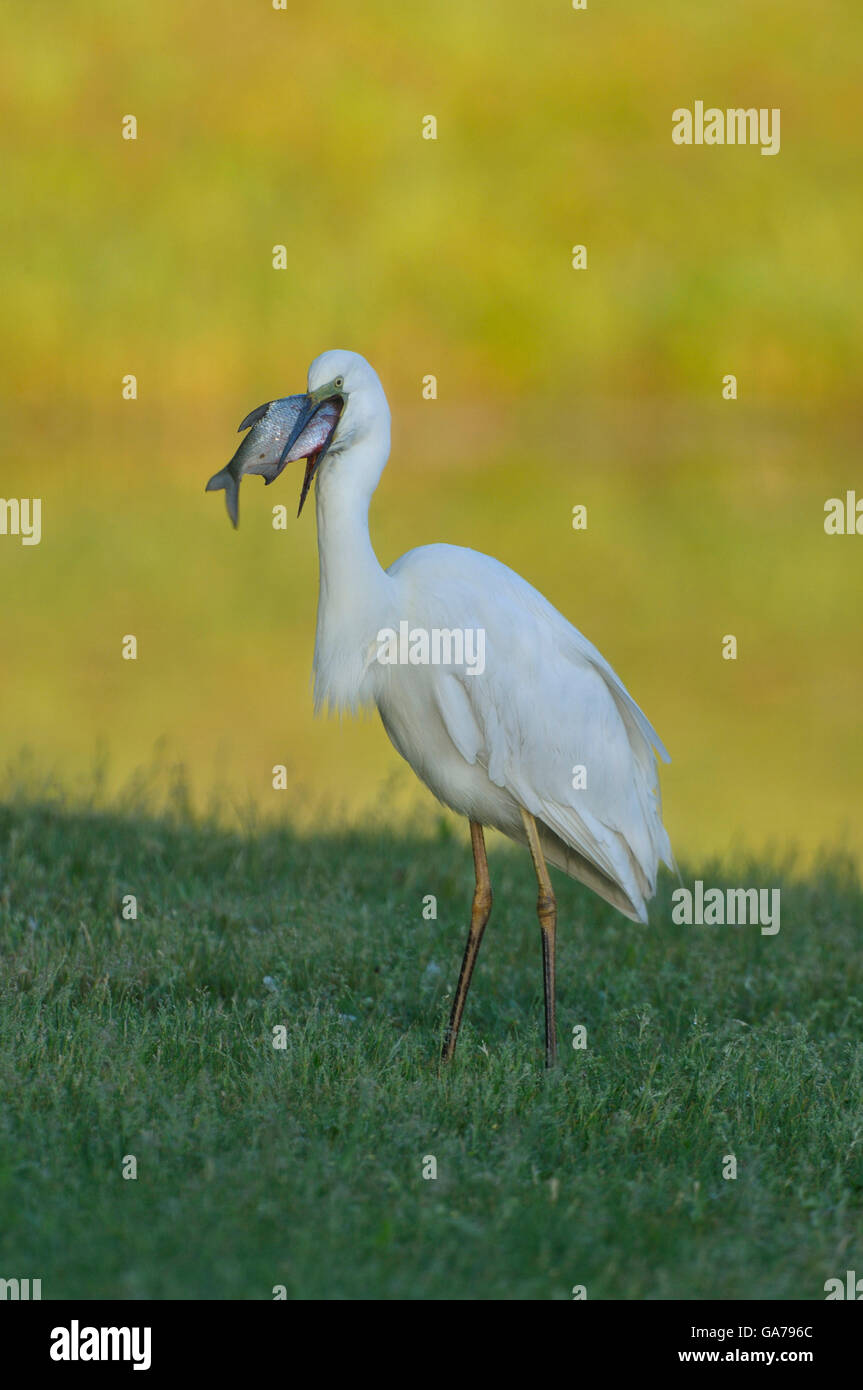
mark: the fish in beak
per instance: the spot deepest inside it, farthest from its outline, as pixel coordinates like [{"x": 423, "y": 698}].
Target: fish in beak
[
  {"x": 319, "y": 405},
  {"x": 294, "y": 427}
]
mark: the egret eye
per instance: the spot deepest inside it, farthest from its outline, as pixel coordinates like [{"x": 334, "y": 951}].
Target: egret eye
[{"x": 339, "y": 382}]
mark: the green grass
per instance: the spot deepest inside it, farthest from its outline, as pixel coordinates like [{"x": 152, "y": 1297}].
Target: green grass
[{"x": 302, "y": 1167}]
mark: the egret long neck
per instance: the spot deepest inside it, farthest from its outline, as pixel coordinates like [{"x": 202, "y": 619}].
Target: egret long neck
[{"x": 355, "y": 592}]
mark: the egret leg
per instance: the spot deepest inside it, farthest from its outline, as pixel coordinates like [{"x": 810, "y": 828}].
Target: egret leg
[
  {"x": 546, "y": 908},
  {"x": 478, "y": 917}
]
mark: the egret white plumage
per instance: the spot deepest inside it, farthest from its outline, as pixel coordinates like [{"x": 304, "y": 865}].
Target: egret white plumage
[{"x": 498, "y": 745}]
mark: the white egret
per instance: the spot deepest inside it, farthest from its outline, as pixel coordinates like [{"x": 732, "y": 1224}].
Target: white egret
[{"x": 539, "y": 739}]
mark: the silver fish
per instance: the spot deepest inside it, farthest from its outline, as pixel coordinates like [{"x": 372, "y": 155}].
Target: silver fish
[{"x": 263, "y": 450}]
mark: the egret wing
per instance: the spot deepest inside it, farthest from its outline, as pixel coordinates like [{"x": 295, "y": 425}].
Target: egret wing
[{"x": 552, "y": 724}]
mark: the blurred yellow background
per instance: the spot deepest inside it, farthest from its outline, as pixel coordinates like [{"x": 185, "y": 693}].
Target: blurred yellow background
[{"x": 705, "y": 517}]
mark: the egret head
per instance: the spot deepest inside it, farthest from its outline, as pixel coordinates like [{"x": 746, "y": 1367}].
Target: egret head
[{"x": 346, "y": 380}]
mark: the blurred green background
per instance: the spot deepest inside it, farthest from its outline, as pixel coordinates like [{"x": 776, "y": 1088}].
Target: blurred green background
[{"x": 452, "y": 257}]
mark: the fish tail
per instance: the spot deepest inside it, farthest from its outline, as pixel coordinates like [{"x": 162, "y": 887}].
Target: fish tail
[{"x": 225, "y": 479}]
